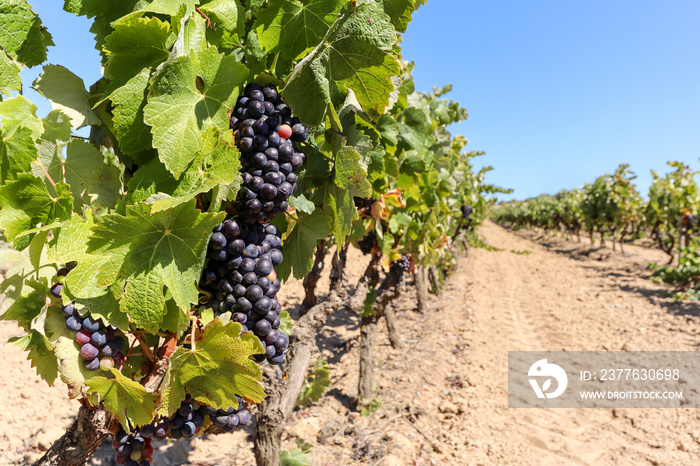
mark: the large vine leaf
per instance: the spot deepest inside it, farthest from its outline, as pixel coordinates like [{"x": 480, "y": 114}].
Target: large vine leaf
[
  {"x": 216, "y": 164},
  {"x": 26, "y": 202},
  {"x": 292, "y": 26},
  {"x": 67, "y": 93},
  {"x": 40, "y": 354},
  {"x": 91, "y": 180},
  {"x": 400, "y": 12},
  {"x": 22, "y": 36},
  {"x": 188, "y": 96},
  {"x": 126, "y": 399},
  {"x": 218, "y": 369},
  {"x": 9, "y": 75},
  {"x": 356, "y": 53},
  {"x": 129, "y": 101},
  {"x": 17, "y": 113},
  {"x": 135, "y": 44},
  {"x": 145, "y": 254},
  {"x": 17, "y": 152},
  {"x": 229, "y": 17},
  {"x": 300, "y": 244}
]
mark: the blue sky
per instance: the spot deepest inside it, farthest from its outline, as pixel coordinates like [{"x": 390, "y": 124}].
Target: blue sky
[{"x": 558, "y": 92}]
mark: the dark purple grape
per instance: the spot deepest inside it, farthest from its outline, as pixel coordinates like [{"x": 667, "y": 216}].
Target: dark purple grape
[
  {"x": 260, "y": 127},
  {"x": 244, "y": 305},
  {"x": 262, "y": 328},
  {"x": 56, "y": 289},
  {"x": 271, "y": 153},
  {"x": 99, "y": 338},
  {"x": 271, "y": 337},
  {"x": 68, "y": 310},
  {"x": 268, "y": 191},
  {"x": 256, "y": 109},
  {"x": 240, "y": 317},
  {"x": 243, "y": 417},
  {"x": 91, "y": 325},
  {"x": 286, "y": 168},
  {"x": 250, "y": 278},
  {"x": 247, "y": 265},
  {"x": 263, "y": 267},
  {"x": 282, "y": 342},
  {"x": 300, "y": 132},
  {"x": 256, "y": 94},
  {"x": 236, "y": 246},
  {"x": 246, "y": 144},
  {"x": 217, "y": 241},
  {"x": 260, "y": 142},
  {"x": 109, "y": 349},
  {"x": 270, "y": 351},
  {"x": 239, "y": 290},
  {"x": 286, "y": 152},
  {"x": 276, "y": 257},
  {"x": 91, "y": 364},
  {"x": 231, "y": 228}
]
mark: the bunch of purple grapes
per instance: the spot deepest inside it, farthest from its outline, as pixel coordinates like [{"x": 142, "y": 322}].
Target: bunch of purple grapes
[
  {"x": 266, "y": 134},
  {"x": 244, "y": 250},
  {"x": 402, "y": 265},
  {"x": 241, "y": 278},
  {"x": 133, "y": 449},
  {"x": 229, "y": 419},
  {"x": 368, "y": 242},
  {"x": 100, "y": 346}
]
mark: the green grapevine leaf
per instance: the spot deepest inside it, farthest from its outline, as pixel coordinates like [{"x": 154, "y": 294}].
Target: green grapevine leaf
[
  {"x": 229, "y": 18},
  {"x": 66, "y": 92},
  {"x": 415, "y": 129},
  {"x": 22, "y": 35},
  {"x": 285, "y": 322},
  {"x": 316, "y": 384},
  {"x": 400, "y": 12},
  {"x": 135, "y": 44},
  {"x": 216, "y": 164},
  {"x": 17, "y": 152},
  {"x": 188, "y": 96},
  {"x": 126, "y": 399},
  {"x": 356, "y": 53},
  {"x": 299, "y": 247},
  {"x": 218, "y": 369},
  {"x": 56, "y": 126},
  {"x": 292, "y": 27},
  {"x": 147, "y": 253},
  {"x": 175, "y": 320},
  {"x": 129, "y": 101},
  {"x": 19, "y": 112},
  {"x": 294, "y": 457},
  {"x": 25, "y": 309},
  {"x": 9, "y": 75},
  {"x": 27, "y": 275},
  {"x": 40, "y": 354},
  {"x": 92, "y": 181},
  {"x": 26, "y": 203},
  {"x": 302, "y": 204}
]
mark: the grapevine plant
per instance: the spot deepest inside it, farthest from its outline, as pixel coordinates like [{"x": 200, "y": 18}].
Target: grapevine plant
[{"x": 229, "y": 142}]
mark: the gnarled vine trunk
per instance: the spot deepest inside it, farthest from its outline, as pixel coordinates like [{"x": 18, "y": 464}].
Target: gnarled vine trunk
[{"x": 311, "y": 280}]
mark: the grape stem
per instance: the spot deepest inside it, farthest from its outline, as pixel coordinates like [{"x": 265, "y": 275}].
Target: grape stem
[
  {"x": 145, "y": 348},
  {"x": 48, "y": 177}
]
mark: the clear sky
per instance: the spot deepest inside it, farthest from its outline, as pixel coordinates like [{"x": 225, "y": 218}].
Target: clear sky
[{"x": 558, "y": 92}]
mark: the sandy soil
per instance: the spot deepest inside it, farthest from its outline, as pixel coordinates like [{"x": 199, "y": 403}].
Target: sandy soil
[{"x": 444, "y": 393}]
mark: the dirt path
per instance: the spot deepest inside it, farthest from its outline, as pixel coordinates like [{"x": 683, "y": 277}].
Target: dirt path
[
  {"x": 561, "y": 297},
  {"x": 444, "y": 393}
]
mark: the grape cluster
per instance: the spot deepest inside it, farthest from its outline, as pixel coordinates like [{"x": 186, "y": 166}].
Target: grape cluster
[
  {"x": 367, "y": 243},
  {"x": 185, "y": 422},
  {"x": 241, "y": 278},
  {"x": 266, "y": 134},
  {"x": 466, "y": 215},
  {"x": 364, "y": 206},
  {"x": 229, "y": 419},
  {"x": 243, "y": 251},
  {"x": 133, "y": 449},
  {"x": 402, "y": 265},
  {"x": 100, "y": 346}
]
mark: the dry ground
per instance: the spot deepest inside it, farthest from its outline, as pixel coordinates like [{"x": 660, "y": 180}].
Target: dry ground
[{"x": 444, "y": 393}]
